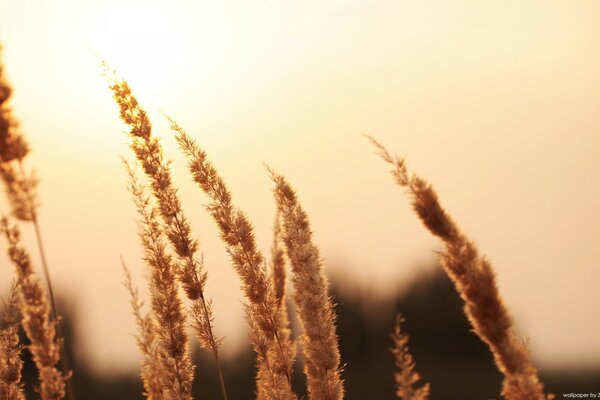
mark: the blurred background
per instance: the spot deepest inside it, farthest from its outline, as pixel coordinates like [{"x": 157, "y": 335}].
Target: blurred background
[
  {"x": 448, "y": 355},
  {"x": 495, "y": 104}
]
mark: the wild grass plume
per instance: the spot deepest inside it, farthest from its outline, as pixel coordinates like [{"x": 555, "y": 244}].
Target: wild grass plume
[
  {"x": 274, "y": 353},
  {"x": 37, "y": 322},
  {"x": 315, "y": 308},
  {"x": 475, "y": 281},
  {"x": 406, "y": 377}
]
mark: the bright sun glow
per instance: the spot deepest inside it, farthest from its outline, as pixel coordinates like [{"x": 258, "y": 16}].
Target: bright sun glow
[{"x": 148, "y": 44}]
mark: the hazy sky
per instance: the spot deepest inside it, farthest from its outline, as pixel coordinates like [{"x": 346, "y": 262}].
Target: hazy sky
[{"x": 497, "y": 104}]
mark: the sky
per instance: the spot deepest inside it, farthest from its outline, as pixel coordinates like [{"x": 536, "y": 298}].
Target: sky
[{"x": 495, "y": 104}]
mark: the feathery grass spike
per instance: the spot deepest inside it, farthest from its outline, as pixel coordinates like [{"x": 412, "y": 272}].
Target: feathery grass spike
[
  {"x": 406, "y": 376},
  {"x": 274, "y": 354},
  {"x": 148, "y": 342},
  {"x": 315, "y": 308},
  {"x": 475, "y": 281},
  {"x": 279, "y": 276}
]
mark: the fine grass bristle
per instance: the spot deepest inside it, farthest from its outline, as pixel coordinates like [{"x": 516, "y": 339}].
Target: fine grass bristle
[
  {"x": 406, "y": 376},
  {"x": 475, "y": 281},
  {"x": 315, "y": 308}
]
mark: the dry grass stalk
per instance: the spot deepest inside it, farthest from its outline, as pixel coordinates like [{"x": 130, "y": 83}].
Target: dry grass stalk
[
  {"x": 21, "y": 192},
  {"x": 177, "y": 372},
  {"x": 190, "y": 268},
  {"x": 148, "y": 343},
  {"x": 406, "y": 376},
  {"x": 38, "y": 325},
  {"x": 274, "y": 354},
  {"x": 279, "y": 277},
  {"x": 11, "y": 364},
  {"x": 315, "y": 308},
  {"x": 475, "y": 281}
]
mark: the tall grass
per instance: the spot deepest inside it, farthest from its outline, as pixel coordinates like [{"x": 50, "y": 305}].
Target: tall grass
[{"x": 174, "y": 265}]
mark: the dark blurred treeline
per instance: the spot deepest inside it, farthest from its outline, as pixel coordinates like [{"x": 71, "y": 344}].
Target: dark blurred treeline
[{"x": 448, "y": 355}]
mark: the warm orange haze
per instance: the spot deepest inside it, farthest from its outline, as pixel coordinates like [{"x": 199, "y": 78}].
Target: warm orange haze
[{"x": 495, "y": 105}]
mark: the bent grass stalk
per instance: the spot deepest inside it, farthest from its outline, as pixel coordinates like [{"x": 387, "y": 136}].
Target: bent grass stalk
[{"x": 475, "y": 281}]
